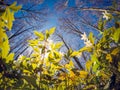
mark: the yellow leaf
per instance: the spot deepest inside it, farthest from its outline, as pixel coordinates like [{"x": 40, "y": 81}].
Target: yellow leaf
[
  {"x": 52, "y": 30},
  {"x": 39, "y": 34},
  {"x": 71, "y": 63},
  {"x": 75, "y": 53},
  {"x": 62, "y": 76},
  {"x": 5, "y": 48},
  {"x": 33, "y": 42},
  {"x": 58, "y": 45},
  {"x": 9, "y": 18},
  {"x": 4, "y": 16},
  {"x": 21, "y": 58},
  {"x": 14, "y": 4},
  {"x": 115, "y": 51},
  {"x": 53, "y": 66},
  {"x": 45, "y": 71},
  {"x": 36, "y": 49},
  {"x": 8, "y": 15},
  {"x": 67, "y": 66},
  {"x": 57, "y": 55},
  {"x": 2, "y": 36},
  {"x": 17, "y": 63},
  {"x": 51, "y": 56},
  {"x": 24, "y": 63},
  {"x": 47, "y": 63},
  {"x": 104, "y": 76},
  {"x": 34, "y": 65},
  {"x": 26, "y": 71},
  {"x": 10, "y": 57},
  {"x": 91, "y": 37},
  {"x": 14, "y": 7},
  {"x": 89, "y": 49},
  {"x": 90, "y": 87},
  {"x": 72, "y": 74},
  {"x": 108, "y": 57},
  {"x": 47, "y": 34},
  {"x": 83, "y": 74},
  {"x": 88, "y": 65}
]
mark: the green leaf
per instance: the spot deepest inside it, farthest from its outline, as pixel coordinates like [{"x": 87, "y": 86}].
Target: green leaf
[
  {"x": 31, "y": 80},
  {"x": 19, "y": 83},
  {"x": 116, "y": 35},
  {"x": 95, "y": 67},
  {"x": 91, "y": 37},
  {"x": 100, "y": 24},
  {"x": 69, "y": 52},
  {"x": 95, "y": 63},
  {"x": 94, "y": 58},
  {"x": 47, "y": 34},
  {"x": 44, "y": 82}
]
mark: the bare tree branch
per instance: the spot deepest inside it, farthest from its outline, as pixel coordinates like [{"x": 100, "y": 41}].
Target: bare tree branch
[
  {"x": 75, "y": 58},
  {"x": 99, "y": 10}
]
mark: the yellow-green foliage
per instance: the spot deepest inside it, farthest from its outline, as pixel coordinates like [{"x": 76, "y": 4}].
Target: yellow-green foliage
[
  {"x": 6, "y": 58},
  {"x": 6, "y": 21},
  {"x": 43, "y": 69}
]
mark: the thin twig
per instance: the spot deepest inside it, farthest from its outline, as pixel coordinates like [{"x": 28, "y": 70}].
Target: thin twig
[{"x": 100, "y": 10}]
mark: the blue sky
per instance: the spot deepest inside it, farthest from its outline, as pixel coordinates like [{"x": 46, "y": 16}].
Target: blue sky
[
  {"x": 54, "y": 15},
  {"x": 52, "y": 19}
]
